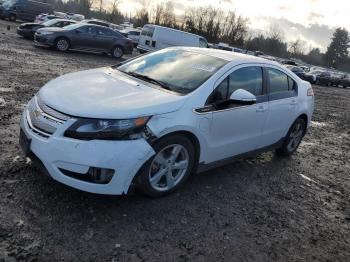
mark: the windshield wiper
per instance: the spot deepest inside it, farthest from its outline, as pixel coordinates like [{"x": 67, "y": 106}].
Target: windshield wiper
[{"x": 149, "y": 79}]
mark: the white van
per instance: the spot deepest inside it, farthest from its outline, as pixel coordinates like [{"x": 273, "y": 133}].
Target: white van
[{"x": 154, "y": 37}]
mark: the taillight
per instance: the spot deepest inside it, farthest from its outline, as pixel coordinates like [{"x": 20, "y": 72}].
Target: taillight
[{"x": 310, "y": 92}]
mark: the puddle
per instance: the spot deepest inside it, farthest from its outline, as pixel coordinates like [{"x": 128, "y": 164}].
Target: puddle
[
  {"x": 318, "y": 124},
  {"x": 5, "y": 89},
  {"x": 2, "y": 102},
  {"x": 307, "y": 143},
  {"x": 307, "y": 178}
]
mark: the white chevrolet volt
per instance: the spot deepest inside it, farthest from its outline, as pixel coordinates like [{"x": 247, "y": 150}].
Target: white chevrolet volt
[{"x": 153, "y": 120}]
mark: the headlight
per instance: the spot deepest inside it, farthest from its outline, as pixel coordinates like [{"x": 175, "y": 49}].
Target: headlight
[
  {"x": 46, "y": 33},
  {"x": 107, "y": 129}
]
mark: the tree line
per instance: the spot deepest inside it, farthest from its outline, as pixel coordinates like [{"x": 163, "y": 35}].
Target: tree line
[{"x": 217, "y": 25}]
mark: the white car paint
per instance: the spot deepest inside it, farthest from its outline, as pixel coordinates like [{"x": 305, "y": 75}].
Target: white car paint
[{"x": 108, "y": 94}]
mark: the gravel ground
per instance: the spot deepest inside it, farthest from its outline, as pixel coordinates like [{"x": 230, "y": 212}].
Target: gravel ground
[{"x": 258, "y": 209}]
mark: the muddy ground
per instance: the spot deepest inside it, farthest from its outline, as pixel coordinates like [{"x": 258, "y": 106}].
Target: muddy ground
[{"x": 258, "y": 209}]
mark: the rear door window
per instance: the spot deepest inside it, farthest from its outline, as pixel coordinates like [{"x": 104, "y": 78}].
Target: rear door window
[
  {"x": 280, "y": 84},
  {"x": 278, "y": 81}
]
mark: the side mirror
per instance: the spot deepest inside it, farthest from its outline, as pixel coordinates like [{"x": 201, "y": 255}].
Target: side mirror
[
  {"x": 77, "y": 32},
  {"x": 242, "y": 97}
]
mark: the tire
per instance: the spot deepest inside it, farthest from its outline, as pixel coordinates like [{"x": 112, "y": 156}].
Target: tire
[
  {"x": 293, "y": 138},
  {"x": 117, "y": 52},
  {"x": 12, "y": 17},
  {"x": 157, "y": 177},
  {"x": 62, "y": 44}
]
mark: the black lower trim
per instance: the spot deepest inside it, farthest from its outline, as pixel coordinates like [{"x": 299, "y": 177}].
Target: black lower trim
[{"x": 202, "y": 167}]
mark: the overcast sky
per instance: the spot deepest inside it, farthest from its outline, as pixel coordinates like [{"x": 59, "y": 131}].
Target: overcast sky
[{"x": 310, "y": 20}]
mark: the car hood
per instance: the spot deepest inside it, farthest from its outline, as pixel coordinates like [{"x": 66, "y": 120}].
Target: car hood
[
  {"x": 52, "y": 29},
  {"x": 31, "y": 24},
  {"x": 106, "y": 93}
]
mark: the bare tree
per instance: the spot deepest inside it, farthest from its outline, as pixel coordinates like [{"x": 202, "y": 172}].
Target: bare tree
[
  {"x": 141, "y": 17},
  {"x": 296, "y": 47},
  {"x": 114, "y": 14},
  {"x": 275, "y": 33}
]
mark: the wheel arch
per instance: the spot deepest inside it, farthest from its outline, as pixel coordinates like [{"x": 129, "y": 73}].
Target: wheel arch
[
  {"x": 190, "y": 136},
  {"x": 63, "y": 37}
]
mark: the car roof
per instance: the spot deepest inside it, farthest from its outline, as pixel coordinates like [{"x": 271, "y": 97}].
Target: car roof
[
  {"x": 229, "y": 56},
  {"x": 64, "y": 20}
]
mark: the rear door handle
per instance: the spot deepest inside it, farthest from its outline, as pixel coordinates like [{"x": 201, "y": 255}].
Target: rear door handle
[{"x": 293, "y": 102}]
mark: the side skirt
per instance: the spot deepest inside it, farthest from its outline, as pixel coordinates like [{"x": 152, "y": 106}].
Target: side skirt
[{"x": 202, "y": 167}]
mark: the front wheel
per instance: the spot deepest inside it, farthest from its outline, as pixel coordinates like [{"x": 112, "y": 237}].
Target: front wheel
[
  {"x": 117, "y": 52},
  {"x": 293, "y": 138},
  {"x": 169, "y": 168},
  {"x": 62, "y": 44}
]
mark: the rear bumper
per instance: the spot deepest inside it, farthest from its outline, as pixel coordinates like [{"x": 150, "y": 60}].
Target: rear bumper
[{"x": 61, "y": 155}]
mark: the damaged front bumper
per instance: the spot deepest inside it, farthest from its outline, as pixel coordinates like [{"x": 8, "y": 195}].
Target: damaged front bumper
[{"x": 63, "y": 156}]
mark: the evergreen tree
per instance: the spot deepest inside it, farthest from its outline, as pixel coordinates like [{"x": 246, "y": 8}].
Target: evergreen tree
[{"x": 337, "y": 51}]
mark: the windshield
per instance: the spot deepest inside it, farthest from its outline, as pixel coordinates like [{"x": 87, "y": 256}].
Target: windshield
[
  {"x": 73, "y": 26},
  {"x": 181, "y": 71},
  {"x": 9, "y": 4},
  {"x": 50, "y": 22}
]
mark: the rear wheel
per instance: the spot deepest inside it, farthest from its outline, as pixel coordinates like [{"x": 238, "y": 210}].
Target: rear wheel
[
  {"x": 293, "y": 139},
  {"x": 62, "y": 44},
  {"x": 117, "y": 52},
  {"x": 169, "y": 168}
]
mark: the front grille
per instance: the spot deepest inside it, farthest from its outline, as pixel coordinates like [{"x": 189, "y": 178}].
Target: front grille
[
  {"x": 50, "y": 111},
  {"x": 42, "y": 119}
]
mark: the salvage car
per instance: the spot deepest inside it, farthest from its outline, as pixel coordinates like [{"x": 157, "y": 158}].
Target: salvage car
[
  {"x": 153, "y": 120},
  {"x": 23, "y": 9},
  {"x": 324, "y": 79},
  {"x": 343, "y": 80},
  {"x": 300, "y": 73},
  {"x": 28, "y": 30},
  {"x": 42, "y": 18},
  {"x": 85, "y": 37}
]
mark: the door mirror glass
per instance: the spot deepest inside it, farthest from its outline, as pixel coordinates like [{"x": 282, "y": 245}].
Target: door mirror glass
[{"x": 242, "y": 97}]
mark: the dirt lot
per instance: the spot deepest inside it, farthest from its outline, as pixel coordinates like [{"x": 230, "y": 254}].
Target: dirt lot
[{"x": 259, "y": 209}]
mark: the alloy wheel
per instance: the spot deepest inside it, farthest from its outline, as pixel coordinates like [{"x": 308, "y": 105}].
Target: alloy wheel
[
  {"x": 117, "y": 52},
  {"x": 295, "y": 136},
  {"x": 62, "y": 45},
  {"x": 169, "y": 167}
]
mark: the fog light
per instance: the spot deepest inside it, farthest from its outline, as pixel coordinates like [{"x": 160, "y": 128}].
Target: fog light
[{"x": 100, "y": 175}]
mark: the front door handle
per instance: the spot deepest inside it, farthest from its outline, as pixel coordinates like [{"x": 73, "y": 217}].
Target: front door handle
[{"x": 261, "y": 109}]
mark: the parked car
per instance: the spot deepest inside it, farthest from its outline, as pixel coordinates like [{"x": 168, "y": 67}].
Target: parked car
[
  {"x": 324, "y": 79},
  {"x": 85, "y": 37},
  {"x": 24, "y": 9},
  {"x": 313, "y": 75},
  {"x": 301, "y": 73},
  {"x": 133, "y": 34},
  {"x": 75, "y": 17},
  {"x": 155, "y": 37},
  {"x": 28, "y": 30},
  {"x": 343, "y": 80},
  {"x": 41, "y": 18},
  {"x": 153, "y": 120},
  {"x": 97, "y": 22}
]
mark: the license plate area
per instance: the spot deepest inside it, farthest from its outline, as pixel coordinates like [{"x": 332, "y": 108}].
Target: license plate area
[{"x": 24, "y": 142}]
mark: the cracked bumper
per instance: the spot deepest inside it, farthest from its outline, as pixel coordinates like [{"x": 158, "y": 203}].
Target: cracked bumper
[{"x": 58, "y": 152}]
